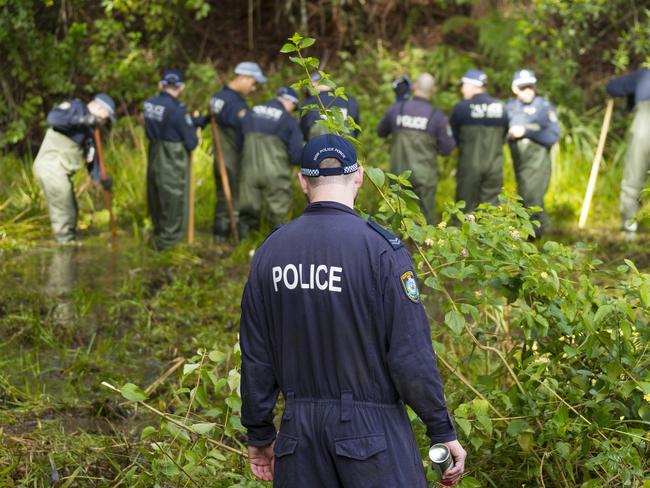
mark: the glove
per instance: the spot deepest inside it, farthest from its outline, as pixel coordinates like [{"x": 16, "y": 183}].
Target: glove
[
  {"x": 107, "y": 184},
  {"x": 89, "y": 120}
]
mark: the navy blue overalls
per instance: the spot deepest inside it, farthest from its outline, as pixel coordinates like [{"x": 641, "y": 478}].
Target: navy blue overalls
[{"x": 331, "y": 316}]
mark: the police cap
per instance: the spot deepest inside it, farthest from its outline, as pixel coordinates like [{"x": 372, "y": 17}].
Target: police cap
[
  {"x": 107, "y": 102},
  {"x": 248, "y": 68},
  {"x": 474, "y": 77},
  {"x": 328, "y": 146},
  {"x": 172, "y": 77},
  {"x": 523, "y": 77},
  {"x": 288, "y": 93}
]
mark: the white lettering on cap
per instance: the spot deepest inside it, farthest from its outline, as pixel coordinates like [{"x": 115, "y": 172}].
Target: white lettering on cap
[{"x": 321, "y": 277}]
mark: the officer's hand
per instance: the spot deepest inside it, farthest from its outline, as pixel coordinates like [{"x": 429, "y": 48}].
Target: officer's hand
[
  {"x": 517, "y": 131},
  {"x": 90, "y": 120},
  {"x": 453, "y": 475},
  {"x": 262, "y": 461},
  {"x": 107, "y": 184}
]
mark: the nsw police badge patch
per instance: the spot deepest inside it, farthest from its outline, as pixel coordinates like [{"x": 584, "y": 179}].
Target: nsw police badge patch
[{"x": 410, "y": 286}]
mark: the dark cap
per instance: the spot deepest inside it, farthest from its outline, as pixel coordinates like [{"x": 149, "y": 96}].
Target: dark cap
[
  {"x": 172, "y": 77},
  {"x": 402, "y": 87},
  {"x": 328, "y": 146},
  {"x": 524, "y": 77},
  {"x": 107, "y": 102},
  {"x": 475, "y": 77},
  {"x": 288, "y": 93}
]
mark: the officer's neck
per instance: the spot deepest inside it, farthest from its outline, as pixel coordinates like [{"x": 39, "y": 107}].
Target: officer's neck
[{"x": 335, "y": 193}]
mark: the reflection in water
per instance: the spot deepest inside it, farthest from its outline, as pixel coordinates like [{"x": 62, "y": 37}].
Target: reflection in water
[{"x": 61, "y": 279}]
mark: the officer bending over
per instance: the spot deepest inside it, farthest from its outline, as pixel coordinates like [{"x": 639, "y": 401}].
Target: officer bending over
[
  {"x": 229, "y": 106},
  {"x": 479, "y": 124},
  {"x": 533, "y": 130},
  {"x": 172, "y": 137},
  {"x": 419, "y": 132},
  {"x": 636, "y": 87},
  {"x": 272, "y": 143},
  {"x": 332, "y": 317},
  {"x": 349, "y": 108},
  {"x": 68, "y": 143}
]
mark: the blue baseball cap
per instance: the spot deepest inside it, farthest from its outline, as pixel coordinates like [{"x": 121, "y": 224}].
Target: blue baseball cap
[
  {"x": 107, "y": 102},
  {"x": 328, "y": 146},
  {"x": 288, "y": 93},
  {"x": 172, "y": 77},
  {"x": 248, "y": 68},
  {"x": 474, "y": 77},
  {"x": 524, "y": 77}
]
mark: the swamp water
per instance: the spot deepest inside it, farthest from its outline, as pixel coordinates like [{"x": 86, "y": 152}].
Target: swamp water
[{"x": 72, "y": 317}]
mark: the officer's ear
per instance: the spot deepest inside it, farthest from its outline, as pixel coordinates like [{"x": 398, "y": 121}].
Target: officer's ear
[
  {"x": 358, "y": 177},
  {"x": 304, "y": 186}
]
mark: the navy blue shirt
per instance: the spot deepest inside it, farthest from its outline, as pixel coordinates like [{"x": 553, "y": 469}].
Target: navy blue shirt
[
  {"x": 349, "y": 107},
  {"x": 331, "y": 305},
  {"x": 166, "y": 119},
  {"x": 418, "y": 115},
  {"x": 229, "y": 108},
  {"x": 273, "y": 119},
  {"x": 635, "y": 86},
  {"x": 538, "y": 118},
  {"x": 481, "y": 109},
  {"x": 67, "y": 119},
  {"x": 70, "y": 118}
]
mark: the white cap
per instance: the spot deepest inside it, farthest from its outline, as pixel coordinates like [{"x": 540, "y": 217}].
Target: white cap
[{"x": 248, "y": 68}]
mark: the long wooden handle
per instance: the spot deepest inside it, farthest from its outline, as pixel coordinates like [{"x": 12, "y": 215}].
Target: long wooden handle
[
  {"x": 191, "y": 196},
  {"x": 223, "y": 174},
  {"x": 103, "y": 172},
  {"x": 596, "y": 164}
]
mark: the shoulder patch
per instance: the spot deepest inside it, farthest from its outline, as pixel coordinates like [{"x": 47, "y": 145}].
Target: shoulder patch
[
  {"x": 410, "y": 286},
  {"x": 395, "y": 242}
]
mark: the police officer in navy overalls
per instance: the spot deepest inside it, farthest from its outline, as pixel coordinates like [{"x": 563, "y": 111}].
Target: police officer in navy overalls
[
  {"x": 479, "y": 124},
  {"x": 636, "y": 88},
  {"x": 68, "y": 143},
  {"x": 229, "y": 107},
  {"x": 272, "y": 143},
  {"x": 419, "y": 133},
  {"x": 332, "y": 318},
  {"x": 172, "y": 137},
  {"x": 534, "y": 128}
]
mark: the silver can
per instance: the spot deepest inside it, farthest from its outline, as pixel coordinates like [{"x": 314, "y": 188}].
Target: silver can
[{"x": 441, "y": 459}]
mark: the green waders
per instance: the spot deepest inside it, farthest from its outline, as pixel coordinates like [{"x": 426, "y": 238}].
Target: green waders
[
  {"x": 265, "y": 182},
  {"x": 637, "y": 161},
  {"x": 480, "y": 165},
  {"x": 167, "y": 191},
  {"x": 317, "y": 130},
  {"x": 532, "y": 164},
  {"x": 231, "y": 158},
  {"x": 58, "y": 159},
  {"x": 416, "y": 151}
]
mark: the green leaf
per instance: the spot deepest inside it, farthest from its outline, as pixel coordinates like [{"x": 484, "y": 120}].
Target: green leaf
[
  {"x": 563, "y": 449},
  {"x": 133, "y": 393},
  {"x": 217, "y": 356},
  {"x": 148, "y": 432},
  {"x": 602, "y": 313},
  {"x": 306, "y": 42},
  {"x": 203, "y": 428},
  {"x": 288, "y": 48},
  {"x": 526, "y": 441},
  {"x": 189, "y": 368},
  {"x": 465, "y": 425},
  {"x": 517, "y": 426},
  {"x": 455, "y": 321},
  {"x": 644, "y": 292},
  {"x": 296, "y": 38},
  {"x": 377, "y": 177}
]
